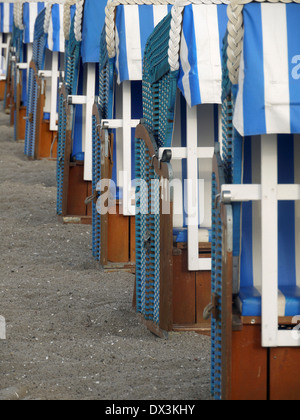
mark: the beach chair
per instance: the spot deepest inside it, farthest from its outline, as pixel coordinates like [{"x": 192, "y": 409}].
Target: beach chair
[
  {"x": 45, "y": 69},
  {"x": 77, "y": 95},
  {"x": 115, "y": 116},
  {"x": 174, "y": 151},
  {"x": 6, "y": 27},
  {"x": 25, "y": 14},
  {"x": 255, "y": 301}
]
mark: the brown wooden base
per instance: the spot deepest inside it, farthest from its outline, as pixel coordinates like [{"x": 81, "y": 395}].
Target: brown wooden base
[
  {"x": 2, "y": 89},
  {"x": 76, "y": 211},
  {"x": 262, "y": 373},
  {"x": 12, "y": 108},
  {"x": 121, "y": 238},
  {"x": 21, "y": 123},
  {"x": 46, "y": 142},
  {"x": 191, "y": 292},
  {"x": 183, "y": 301},
  {"x": 116, "y": 267}
]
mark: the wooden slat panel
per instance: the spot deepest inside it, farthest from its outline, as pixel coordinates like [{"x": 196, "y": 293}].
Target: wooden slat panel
[
  {"x": 203, "y": 295},
  {"x": 118, "y": 238},
  {"x": 21, "y": 123},
  {"x": 285, "y": 374},
  {"x": 77, "y": 192},
  {"x": 184, "y": 291},
  {"x": 249, "y": 365}
]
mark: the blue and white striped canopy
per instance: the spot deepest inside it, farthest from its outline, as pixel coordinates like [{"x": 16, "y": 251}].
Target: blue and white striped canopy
[
  {"x": 30, "y": 12},
  {"x": 56, "y": 38},
  {"x": 268, "y": 98},
  {"x": 93, "y": 21},
  {"x": 204, "y": 28},
  {"x": 134, "y": 25},
  {"x": 6, "y": 17}
]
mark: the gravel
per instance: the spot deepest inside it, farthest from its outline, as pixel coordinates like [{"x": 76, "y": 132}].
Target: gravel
[{"x": 71, "y": 330}]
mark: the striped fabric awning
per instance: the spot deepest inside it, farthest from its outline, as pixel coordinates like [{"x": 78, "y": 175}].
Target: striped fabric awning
[
  {"x": 56, "y": 39},
  {"x": 93, "y": 21},
  {"x": 30, "y": 12},
  {"x": 204, "y": 28},
  {"x": 268, "y": 98},
  {"x": 6, "y": 17},
  {"x": 134, "y": 25}
]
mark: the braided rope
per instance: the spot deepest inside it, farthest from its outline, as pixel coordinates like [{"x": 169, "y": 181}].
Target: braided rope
[
  {"x": 67, "y": 17},
  {"x": 47, "y": 17},
  {"x": 236, "y": 33},
  {"x": 18, "y": 11},
  {"x": 110, "y": 18},
  {"x": 78, "y": 20},
  {"x": 176, "y": 27},
  {"x": 18, "y": 15}
]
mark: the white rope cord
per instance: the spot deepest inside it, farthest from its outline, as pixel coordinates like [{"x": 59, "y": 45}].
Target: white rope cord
[
  {"x": 18, "y": 15},
  {"x": 176, "y": 27},
  {"x": 78, "y": 20},
  {"x": 67, "y": 17},
  {"x": 236, "y": 33},
  {"x": 47, "y": 17},
  {"x": 18, "y": 11},
  {"x": 110, "y": 18}
]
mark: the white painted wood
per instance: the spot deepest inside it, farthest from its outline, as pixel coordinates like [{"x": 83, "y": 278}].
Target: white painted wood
[
  {"x": 22, "y": 66},
  {"x": 194, "y": 262},
  {"x": 253, "y": 192},
  {"x": 269, "y": 206},
  {"x": 118, "y": 123},
  {"x": 128, "y": 208},
  {"x": 179, "y": 153},
  {"x": 88, "y": 121},
  {"x": 3, "y": 65},
  {"x": 77, "y": 99},
  {"x": 54, "y": 84},
  {"x": 29, "y": 58}
]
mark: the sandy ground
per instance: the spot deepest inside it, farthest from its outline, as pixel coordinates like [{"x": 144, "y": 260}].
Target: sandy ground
[{"x": 71, "y": 329}]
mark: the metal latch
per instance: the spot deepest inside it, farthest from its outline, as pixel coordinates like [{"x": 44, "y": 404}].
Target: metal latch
[
  {"x": 212, "y": 308},
  {"x": 147, "y": 242},
  {"x": 92, "y": 198}
]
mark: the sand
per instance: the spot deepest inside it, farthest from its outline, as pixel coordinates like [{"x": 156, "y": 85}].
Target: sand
[{"x": 72, "y": 333}]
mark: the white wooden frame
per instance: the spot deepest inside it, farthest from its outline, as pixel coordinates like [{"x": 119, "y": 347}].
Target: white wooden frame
[
  {"x": 25, "y": 65},
  {"x": 4, "y": 48},
  {"x": 192, "y": 153},
  {"x": 269, "y": 193},
  {"x": 88, "y": 101},
  {"x": 53, "y": 75},
  {"x": 125, "y": 124}
]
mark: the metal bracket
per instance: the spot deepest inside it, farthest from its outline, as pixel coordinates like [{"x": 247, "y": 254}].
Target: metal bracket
[
  {"x": 212, "y": 309},
  {"x": 147, "y": 242},
  {"x": 226, "y": 197}
]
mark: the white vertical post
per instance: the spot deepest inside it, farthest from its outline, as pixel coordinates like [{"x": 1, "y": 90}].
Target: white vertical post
[
  {"x": 53, "y": 101},
  {"x": 88, "y": 121},
  {"x": 128, "y": 209},
  {"x": 8, "y": 39},
  {"x": 194, "y": 262},
  {"x": 269, "y": 181},
  {"x": 2, "y": 46},
  {"x": 29, "y": 58}
]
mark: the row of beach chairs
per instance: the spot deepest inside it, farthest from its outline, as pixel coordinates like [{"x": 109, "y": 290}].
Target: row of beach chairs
[{"x": 175, "y": 128}]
